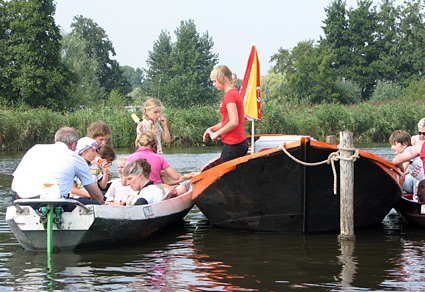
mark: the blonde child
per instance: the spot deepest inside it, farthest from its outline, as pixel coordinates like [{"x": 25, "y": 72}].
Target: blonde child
[
  {"x": 151, "y": 115},
  {"x": 117, "y": 193},
  {"x": 87, "y": 149}
]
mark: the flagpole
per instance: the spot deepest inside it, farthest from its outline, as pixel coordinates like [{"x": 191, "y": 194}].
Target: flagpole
[{"x": 252, "y": 137}]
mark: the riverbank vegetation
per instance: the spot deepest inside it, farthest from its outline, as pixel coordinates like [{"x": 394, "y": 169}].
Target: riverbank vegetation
[
  {"x": 365, "y": 74},
  {"x": 370, "y": 122}
]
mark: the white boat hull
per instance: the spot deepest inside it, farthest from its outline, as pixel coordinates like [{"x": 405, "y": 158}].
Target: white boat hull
[{"x": 96, "y": 224}]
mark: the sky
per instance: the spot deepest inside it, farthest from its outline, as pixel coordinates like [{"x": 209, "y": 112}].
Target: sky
[{"x": 133, "y": 26}]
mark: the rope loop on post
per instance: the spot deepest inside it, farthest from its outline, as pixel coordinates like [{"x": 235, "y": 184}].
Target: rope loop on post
[{"x": 334, "y": 156}]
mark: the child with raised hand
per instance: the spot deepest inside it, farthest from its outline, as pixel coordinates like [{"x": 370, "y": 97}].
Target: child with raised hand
[
  {"x": 117, "y": 193},
  {"x": 151, "y": 115},
  {"x": 104, "y": 158}
]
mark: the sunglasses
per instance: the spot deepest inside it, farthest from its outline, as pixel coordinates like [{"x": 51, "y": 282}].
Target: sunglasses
[{"x": 421, "y": 133}]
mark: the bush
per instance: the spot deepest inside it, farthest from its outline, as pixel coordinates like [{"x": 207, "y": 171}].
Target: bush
[{"x": 386, "y": 91}]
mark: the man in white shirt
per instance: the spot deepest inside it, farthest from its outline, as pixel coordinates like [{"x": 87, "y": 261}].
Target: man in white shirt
[{"x": 54, "y": 163}]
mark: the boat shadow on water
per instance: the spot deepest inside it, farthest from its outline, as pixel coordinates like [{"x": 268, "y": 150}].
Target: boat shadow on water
[{"x": 317, "y": 262}]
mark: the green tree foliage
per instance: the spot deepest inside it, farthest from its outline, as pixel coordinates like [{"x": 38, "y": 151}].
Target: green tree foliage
[
  {"x": 86, "y": 90},
  {"x": 361, "y": 47},
  {"x": 308, "y": 73},
  {"x": 411, "y": 42},
  {"x": 116, "y": 99},
  {"x": 415, "y": 91},
  {"x": 99, "y": 48},
  {"x": 31, "y": 69},
  {"x": 179, "y": 72},
  {"x": 273, "y": 88},
  {"x": 134, "y": 76}
]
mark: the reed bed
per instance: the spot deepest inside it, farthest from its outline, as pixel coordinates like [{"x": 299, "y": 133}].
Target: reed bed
[{"x": 21, "y": 128}]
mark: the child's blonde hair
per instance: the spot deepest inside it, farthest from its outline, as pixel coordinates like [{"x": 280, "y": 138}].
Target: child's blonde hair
[
  {"x": 221, "y": 71},
  {"x": 150, "y": 104},
  {"x": 122, "y": 160},
  {"x": 147, "y": 139}
]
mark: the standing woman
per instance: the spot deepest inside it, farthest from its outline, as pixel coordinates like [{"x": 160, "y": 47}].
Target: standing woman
[{"x": 231, "y": 128}]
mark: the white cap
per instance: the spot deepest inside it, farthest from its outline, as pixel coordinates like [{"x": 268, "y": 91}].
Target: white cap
[{"x": 85, "y": 143}]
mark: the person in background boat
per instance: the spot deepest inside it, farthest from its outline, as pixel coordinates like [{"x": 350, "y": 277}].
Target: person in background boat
[
  {"x": 137, "y": 177},
  {"x": 55, "y": 163},
  {"x": 231, "y": 128},
  {"x": 400, "y": 141},
  {"x": 87, "y": 149},
  {"x": 151, "y": 115},
  {"x": 104, "y": 158},
  {"x": 421, "y": 132},
  {"x": 417, "y": 150},
  {"x": 118, "y": 193},
  {"x": 99, "y": 131},
  {"x": 147, "y": 143}
]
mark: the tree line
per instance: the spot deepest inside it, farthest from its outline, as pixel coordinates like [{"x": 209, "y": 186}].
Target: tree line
[{"x": 366, "y": 53}]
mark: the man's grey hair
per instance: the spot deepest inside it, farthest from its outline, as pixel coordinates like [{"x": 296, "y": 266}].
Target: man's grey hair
[{"x": 66, "y": 135}]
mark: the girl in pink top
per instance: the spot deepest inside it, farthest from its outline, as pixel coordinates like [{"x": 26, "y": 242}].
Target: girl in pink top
[{"x": 147, "y": 144}]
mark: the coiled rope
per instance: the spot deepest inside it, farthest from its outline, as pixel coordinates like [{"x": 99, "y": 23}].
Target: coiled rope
[{"x": 334, "y": 156}]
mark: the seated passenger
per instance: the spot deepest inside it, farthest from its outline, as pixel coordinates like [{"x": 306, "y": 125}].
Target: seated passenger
[
  {"x": 147, "y": 149},
  {"x": 137, "y": 177},
  {"x": 87, "y": 149},
  {"x": 104, "y": 158},
  {"x": 118, "y": 193},
  {"x": 55, "y": 163},
  {"x": 400, "y": 142}
]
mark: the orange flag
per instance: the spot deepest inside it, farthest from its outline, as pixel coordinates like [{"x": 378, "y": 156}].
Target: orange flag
[{"x": 250, "y": 89}]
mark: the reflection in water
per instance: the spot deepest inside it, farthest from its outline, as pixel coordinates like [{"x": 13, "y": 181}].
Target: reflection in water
[{"x": 348, "y": 264}]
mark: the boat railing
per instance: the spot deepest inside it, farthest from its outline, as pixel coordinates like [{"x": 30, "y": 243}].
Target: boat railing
[{"x": 17, "y": 203}]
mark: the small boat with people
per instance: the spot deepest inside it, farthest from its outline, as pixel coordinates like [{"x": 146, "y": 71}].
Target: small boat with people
[
  {"x": 89, "y": 226},
  {"x": 281, "y": 187}
]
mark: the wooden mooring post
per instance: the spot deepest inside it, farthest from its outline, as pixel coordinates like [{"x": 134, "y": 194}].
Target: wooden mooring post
[
  {"x": 346, "y": 146},
  {"x": 331, "y": 139}
]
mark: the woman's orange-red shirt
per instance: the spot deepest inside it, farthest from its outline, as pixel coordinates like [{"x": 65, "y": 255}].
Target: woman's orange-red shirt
[{"x": 237, "y": 135}]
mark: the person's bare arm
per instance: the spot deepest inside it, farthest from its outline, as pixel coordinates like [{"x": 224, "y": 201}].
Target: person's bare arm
[
  {"x": 408, "y": 154},
  {"x": 210, "y": 130},
  {"x": 78, "y": 192},
  {"x": 169, "y": 181},
  {"x": 165, "y": 135},
  {"x": 233, "y": 122},
  {"x": 105, "y": 177},
  {"x": 94, "y": 192}
]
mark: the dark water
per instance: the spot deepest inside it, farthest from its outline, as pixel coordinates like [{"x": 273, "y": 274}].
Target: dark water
[{"x": 198, "y": 257}]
